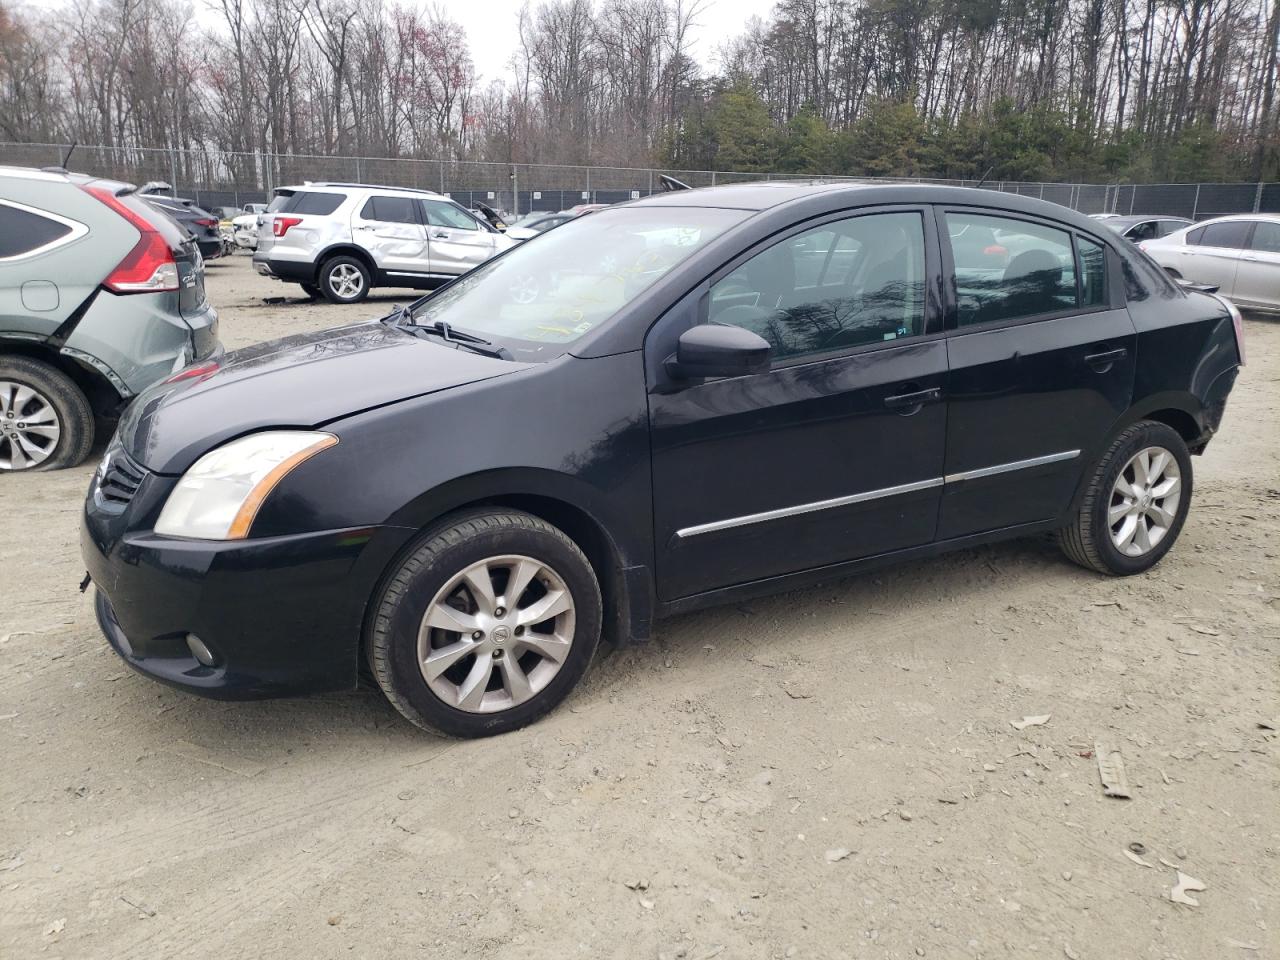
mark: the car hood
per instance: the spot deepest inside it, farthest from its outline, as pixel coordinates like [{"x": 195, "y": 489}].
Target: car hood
[{"x": 304, "y": 381}]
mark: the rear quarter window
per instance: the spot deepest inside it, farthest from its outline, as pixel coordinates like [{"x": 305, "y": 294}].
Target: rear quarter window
[
  {"x": 24, "y": 231},
  {"x": 309, "y": 201}
]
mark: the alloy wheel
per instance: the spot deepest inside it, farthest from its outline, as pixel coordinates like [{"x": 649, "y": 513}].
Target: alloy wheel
[
  {"x": 1144, "y": 501},
  {"x": 496, "y": 634},
  {"x": 29, "y": 426},
  {"x": 346, "y": 280}
]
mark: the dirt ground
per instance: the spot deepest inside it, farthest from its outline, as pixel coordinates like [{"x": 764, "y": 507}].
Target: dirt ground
[{"x": 831, "y": 773}]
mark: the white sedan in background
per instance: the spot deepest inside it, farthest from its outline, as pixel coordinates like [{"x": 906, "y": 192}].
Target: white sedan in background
[{"x": 1238, "y": 254}]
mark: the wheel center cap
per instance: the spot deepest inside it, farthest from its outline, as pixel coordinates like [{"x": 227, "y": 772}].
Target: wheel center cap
[
  {"x": 500, "y": 634},
  {"x": 1147, "y": 500}
]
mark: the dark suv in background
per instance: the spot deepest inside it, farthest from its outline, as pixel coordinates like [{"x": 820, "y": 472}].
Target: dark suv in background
[
  {"x": 101, "y": 295},
  {"x": 199, "y": 222}
]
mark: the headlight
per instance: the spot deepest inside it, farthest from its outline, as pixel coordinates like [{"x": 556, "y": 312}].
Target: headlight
[{"x": 219, "y": 496}]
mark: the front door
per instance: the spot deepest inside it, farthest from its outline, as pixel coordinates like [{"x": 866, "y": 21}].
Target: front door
[
  {"x": 458, "y": 242},
  {"x": 390, "y": 230},
  {"x": 1041, "y": 366},
  {"x": 833, "y": 454}
]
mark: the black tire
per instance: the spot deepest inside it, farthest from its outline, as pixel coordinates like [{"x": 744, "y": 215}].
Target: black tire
[
  {"x": 443, "y": 552},
  {"x": 330, "y": 285},
  {"x": 70, "y": 406},
  {"x": 1087, "y": 539},
  {"x": 312, "y": 291}
]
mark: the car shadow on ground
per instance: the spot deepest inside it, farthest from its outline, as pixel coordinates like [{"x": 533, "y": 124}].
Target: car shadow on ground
[{"x": 873, "y": 604}]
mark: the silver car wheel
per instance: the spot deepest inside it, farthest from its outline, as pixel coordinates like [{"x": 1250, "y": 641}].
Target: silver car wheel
[
  {"x": 29, "y": 427},
  {"x": 496, "y": 634},
  {"x": 346, "y": 280},
  {"x": 1144, "y": 501}
]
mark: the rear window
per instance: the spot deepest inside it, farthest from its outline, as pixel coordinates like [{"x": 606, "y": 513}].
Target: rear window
[
  {"x": 22, "y": 231},
  {"x": 307, "y": 201}
]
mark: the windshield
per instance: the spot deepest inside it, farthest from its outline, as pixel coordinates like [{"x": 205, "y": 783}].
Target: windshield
[{"x": 552, "y": 290}]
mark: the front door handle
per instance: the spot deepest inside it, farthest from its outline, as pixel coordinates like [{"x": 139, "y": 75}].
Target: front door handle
[
  {"x": 1102, "y": 361},
  {"x": 909, "y": 403},
  {"x": 439, "y": 235}
]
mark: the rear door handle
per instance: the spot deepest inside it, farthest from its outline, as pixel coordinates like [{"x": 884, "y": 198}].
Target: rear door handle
[
  {"x": 911, "y": 402},
  {"x": 1103, "y": 361}
]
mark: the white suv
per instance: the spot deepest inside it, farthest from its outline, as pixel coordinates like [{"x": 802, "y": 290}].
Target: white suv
[{"x": 339, "y": 240}]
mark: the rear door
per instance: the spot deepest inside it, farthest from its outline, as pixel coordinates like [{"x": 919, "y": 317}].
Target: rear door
[
  {"x": 1213, "y": 253},
  {"x": 391, "y": 230},
  {"x": 1041, "y": 364},
  {"x": 455, "y": 239},
  {"x": 1258, "y": 274}
]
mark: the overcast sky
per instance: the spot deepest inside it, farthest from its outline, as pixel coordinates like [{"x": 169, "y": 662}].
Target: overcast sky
[{"x": 491, "y": 26}]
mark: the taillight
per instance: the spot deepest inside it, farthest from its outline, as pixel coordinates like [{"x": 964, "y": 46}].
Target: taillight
[
  {"x": 149, "y": 267},
  {"x": 200, "y": 370},
  {"x": 280, "y": 225},
  {"x": 207, "y": 222},
  {"x": 1237, "y": 323}
]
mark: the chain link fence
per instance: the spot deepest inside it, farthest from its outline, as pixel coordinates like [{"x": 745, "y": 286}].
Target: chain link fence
[{"x": 217, "y": 178}]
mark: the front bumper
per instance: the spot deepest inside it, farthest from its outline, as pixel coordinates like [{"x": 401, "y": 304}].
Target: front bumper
[{"x": 281, "y": 615}]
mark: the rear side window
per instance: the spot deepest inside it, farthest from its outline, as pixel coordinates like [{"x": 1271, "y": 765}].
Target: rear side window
[
  {"x": 1171, "y": 226},
  {"x": 1266, "y": 236},
  {"x": 390, "y": 210},
  {"x": 24, "y": 231},
  {"x": 441, "y": 213},
  {"x": 1009, "y": 269},
  {"x": 1234, "y": 234},
  {"x": 307, "y": 201}
]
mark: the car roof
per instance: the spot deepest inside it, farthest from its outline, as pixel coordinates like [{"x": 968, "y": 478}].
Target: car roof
[
  {"x": 1129, "y": 220},
  {"x": 827, "y": 195},
  {"x": 1229, "y": 218},
  {"x": 322, "y": 184}
]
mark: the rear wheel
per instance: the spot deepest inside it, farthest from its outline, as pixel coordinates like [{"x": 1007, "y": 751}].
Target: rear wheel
[
  {"x": 1136, "y": 502},
  {"x": 46, "y": 422},
  {"x": 487, "y": 625},
  {"x": 344, "y": 279}
]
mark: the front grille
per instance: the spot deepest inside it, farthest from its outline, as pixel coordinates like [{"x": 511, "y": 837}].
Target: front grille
[{"x": 120, "y": 480}]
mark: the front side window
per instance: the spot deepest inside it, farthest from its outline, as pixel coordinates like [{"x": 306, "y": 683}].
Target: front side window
[
  {"x": 841, "y": 285},
  {"x": 24, "y": 231},
  {"x": 441, "y": 213},
  {"x": 553, "y": 292},
  {"x": 1266, "y": 236},
  {"x": 389, "y": 210},
  {"x": 1142, "y": 231},
  {"x": 1234, "y": 234},
  {"x": 1009, "y": 269}
]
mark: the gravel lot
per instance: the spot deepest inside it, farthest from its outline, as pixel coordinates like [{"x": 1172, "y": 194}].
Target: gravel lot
[{"x": 690, "y": 799}]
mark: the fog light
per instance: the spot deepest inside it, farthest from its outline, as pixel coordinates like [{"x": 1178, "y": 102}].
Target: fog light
[{"x": 199, "y": 650}]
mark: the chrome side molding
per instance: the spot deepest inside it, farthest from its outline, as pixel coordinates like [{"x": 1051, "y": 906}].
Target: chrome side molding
[{"x": 866, "y": 495}]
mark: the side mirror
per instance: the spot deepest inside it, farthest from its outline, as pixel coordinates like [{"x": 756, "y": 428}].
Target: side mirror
[
  {"x": 1186, "y": 284},
  {"x": 717, "y": 350}
]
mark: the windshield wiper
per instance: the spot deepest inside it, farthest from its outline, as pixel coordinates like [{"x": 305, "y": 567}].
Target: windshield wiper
[{"x": 458, "y": 338}]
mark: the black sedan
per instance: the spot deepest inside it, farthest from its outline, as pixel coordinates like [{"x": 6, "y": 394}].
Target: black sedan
[{"x": 690, "y": 399}]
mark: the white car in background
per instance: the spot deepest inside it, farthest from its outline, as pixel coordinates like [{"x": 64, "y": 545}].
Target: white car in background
[
  {"x": 1240, "y": 255},
  {"x": 244, "y": 228}
]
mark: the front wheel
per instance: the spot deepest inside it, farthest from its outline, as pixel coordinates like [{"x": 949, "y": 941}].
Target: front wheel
[
  {"x": 1135, "y": 504},
  {"x": 488, "y": 623}
]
